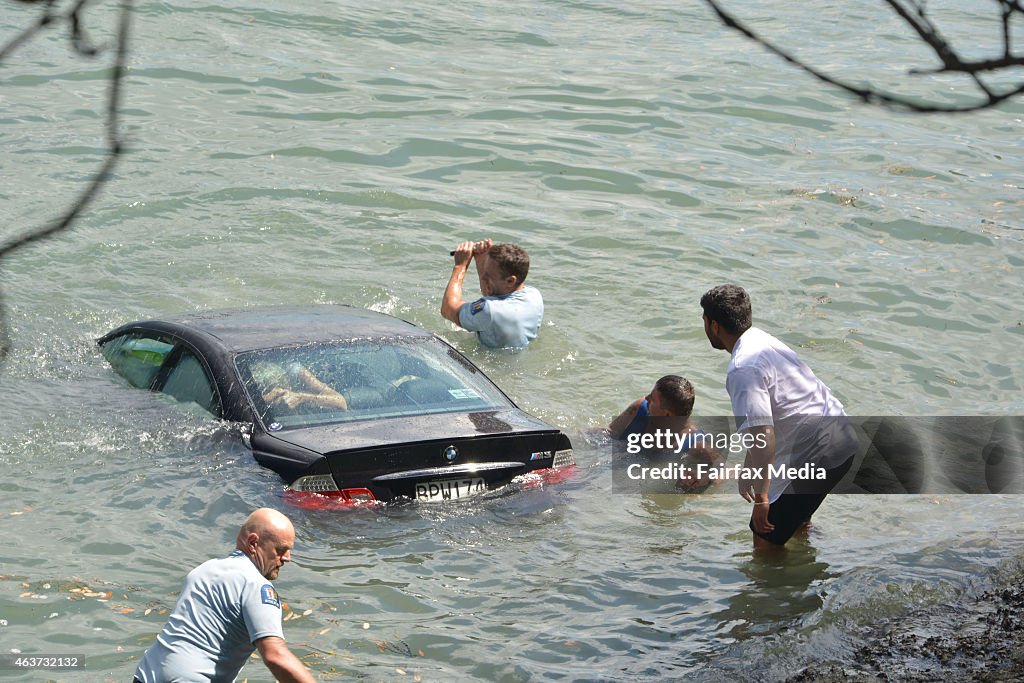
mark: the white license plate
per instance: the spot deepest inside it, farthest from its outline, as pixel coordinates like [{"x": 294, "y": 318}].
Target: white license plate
[{"x": 450, "y": 489}]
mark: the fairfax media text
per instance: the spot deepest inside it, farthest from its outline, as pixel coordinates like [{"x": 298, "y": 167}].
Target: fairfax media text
[{"x": 674, "y": 471}]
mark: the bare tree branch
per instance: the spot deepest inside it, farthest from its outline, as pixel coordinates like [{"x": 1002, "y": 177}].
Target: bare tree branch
[
  {"x": 78, "y": 39},
  {"x": 914, "y": 14},
  {"x": 44, "y": 20},
  {"x": 115, "y": 143}
]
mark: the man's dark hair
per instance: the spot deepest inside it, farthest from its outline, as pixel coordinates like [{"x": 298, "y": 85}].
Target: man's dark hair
[
  {"x": 729, "y": 306},
  {"x": 676, "y": 393},
  {"x": 511, "y": 259}
]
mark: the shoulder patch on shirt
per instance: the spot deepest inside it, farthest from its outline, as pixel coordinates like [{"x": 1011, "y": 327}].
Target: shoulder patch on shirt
[
  {"x": 269, "y": 596},
  {"x": 476, "y": 307}
]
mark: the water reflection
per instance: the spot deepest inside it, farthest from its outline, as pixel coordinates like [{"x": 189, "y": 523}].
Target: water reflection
[{"x": 781, "y": 589}]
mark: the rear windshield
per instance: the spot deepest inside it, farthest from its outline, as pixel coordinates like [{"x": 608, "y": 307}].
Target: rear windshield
[{"x": 330, "y": 383}]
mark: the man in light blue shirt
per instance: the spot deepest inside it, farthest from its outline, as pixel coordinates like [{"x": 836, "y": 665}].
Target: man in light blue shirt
[
  {"x": 510, "y": 312},
  {"x": 227, "y": 609}
]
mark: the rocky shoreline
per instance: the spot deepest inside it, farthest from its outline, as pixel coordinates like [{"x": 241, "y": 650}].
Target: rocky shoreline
[{"x": 976, "y": 638}]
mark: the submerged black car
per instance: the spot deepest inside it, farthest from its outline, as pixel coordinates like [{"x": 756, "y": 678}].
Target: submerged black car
[{"x": 343, "y": 403}]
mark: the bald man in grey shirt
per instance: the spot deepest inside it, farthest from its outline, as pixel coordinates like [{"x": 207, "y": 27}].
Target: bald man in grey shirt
[{"x": 227, "y": 609}]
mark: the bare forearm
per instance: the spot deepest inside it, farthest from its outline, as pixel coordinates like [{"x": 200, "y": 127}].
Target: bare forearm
[
  {"x": 451, "y": 302},
  {"x": 327, "y": 399},
  {"x": 322, "y": 393},
  {"x": 291, "y": 670},
  {"x": 759, "y": 456},
  {"x": 619, "y": 424},
  {"x": 285, "y": 666},
  {"x": 481, "y": 258}
]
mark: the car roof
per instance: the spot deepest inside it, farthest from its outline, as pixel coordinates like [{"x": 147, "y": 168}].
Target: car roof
[{"x": 245, "y": 329}]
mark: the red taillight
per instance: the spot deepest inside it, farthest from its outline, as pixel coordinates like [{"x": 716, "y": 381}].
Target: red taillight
[
  {"x": 543, "y": 477},
  {"x": 358, "y": 496},
  {"x": 330, "y": 500},
  {"x": 556, "y": 475}
]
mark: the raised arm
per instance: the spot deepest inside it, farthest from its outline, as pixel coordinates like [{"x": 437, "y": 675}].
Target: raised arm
[
  {"x": 482, "y": 257},
  {"x": 451, "y": 302}
]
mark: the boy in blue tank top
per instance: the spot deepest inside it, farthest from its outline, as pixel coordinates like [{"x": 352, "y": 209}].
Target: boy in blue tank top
[{"x": 668, "y": 407}]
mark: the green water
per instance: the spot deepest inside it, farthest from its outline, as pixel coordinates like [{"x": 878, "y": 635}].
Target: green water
[{"x": 332, "y": 152}]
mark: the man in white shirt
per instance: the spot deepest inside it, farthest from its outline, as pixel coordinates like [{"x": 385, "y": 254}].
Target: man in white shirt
[
  {"x": 227, "y": 609},
  {"x": 509, "y": 313},
  {"x": 800, "y": 441}
]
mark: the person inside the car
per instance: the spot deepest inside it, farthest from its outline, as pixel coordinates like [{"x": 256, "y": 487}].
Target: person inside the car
[{"x": 294, "y": 386}]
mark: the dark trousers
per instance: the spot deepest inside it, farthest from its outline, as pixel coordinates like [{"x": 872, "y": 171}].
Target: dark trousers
[{"x": 798, "y": 502}]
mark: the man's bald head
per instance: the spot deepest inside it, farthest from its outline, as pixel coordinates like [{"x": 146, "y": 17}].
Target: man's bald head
[
  {"x": 265, "y": 521},
  {"x": 267, "y": 537}
]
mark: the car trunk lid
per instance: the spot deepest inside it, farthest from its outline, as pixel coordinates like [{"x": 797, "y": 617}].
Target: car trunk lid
[{"x": 434, "y": 456}]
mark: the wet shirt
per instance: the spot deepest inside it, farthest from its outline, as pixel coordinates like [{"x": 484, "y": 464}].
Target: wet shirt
[
  {"x": 770, "y": 386},
  {"x": 225, "y": 605},
  {"x": 512, "y": 319}
]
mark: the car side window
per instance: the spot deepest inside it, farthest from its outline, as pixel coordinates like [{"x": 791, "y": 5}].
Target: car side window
[
  {"x": 137, "y": 358},
  {"x": 188, "y": 382}
]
